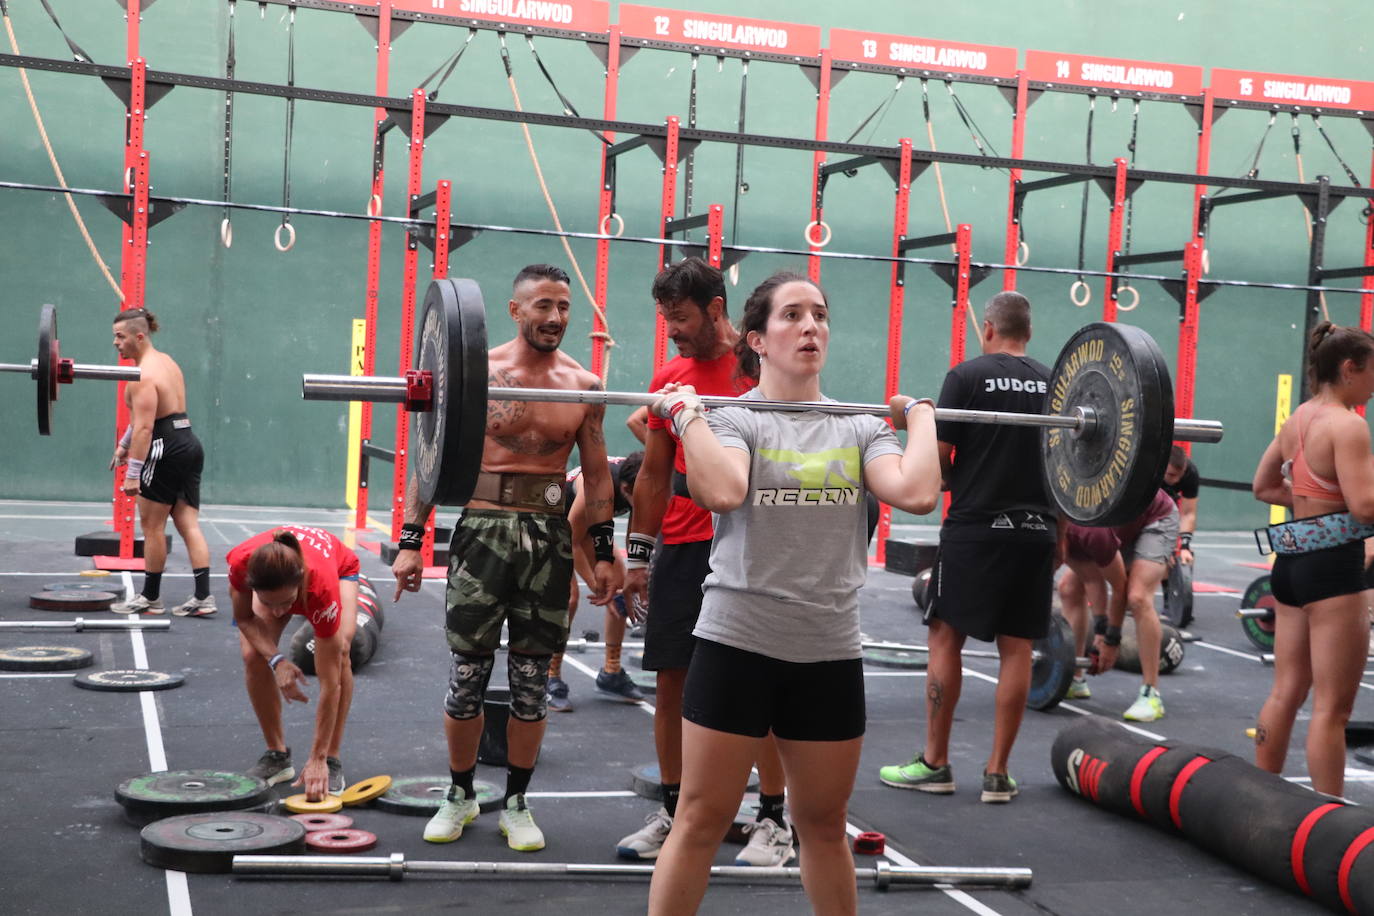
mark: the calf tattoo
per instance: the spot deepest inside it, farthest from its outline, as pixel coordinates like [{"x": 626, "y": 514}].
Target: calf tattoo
[{"x": 935, "y": 693}]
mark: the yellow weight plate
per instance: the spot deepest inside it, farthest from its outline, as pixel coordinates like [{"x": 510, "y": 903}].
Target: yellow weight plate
[
  {"x": 297, "y": 804},
  {"x": 94, "y": 572},
  {"x": 363, "y": 792}
]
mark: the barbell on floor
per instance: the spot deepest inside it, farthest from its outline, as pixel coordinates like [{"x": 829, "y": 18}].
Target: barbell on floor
[
  {"x": 1036, "y": 654},
  {"x": 396, "y": 867},
  {"x": 80, "y": 623},
  {"x": 1107, "y": 429},
  {"x": 50, "y": 369}
]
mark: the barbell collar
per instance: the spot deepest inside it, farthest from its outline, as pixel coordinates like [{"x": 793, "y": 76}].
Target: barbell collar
[
  {"x": 1258, "y": 613},
  {"x": 396, "y": 864},
  {"x": 391, "y": 389}
]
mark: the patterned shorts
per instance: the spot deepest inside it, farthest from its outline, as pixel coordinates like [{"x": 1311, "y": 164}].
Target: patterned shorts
[{"x": 512, "y": 568}]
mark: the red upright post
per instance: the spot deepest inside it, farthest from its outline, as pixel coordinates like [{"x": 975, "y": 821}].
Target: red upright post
[
  {"x": 669, "y": 204},
  {"x": 1114, "y": 221},
  {"x": 1011, "y": 253},
  {"x": 417, "y": 155},
  {"x": 958, "y": 328},
  {"x": 1186, "y": 362},
  {"x": 1367, "y": 297},
  {"x": 715, "y": 232},
  {"x": 603, "y": 246},
  {"x": 813, "y": 263}
]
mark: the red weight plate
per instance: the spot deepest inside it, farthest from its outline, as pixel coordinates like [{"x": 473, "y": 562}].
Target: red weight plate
[
  {"x": 322, "y": 821},
  {"x": 348, "y": 840}
]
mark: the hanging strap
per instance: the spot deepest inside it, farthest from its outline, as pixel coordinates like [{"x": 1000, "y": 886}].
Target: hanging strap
[
  {"x": 290, "y": 130},
  {"x": 1083, "y": 207},
  {"x": 740, "y": 186},
  {"x": 77, "y": 52},
  {"x": 881, "y": 109},
  {"x": 980, "y": 139},
  {"x": 226, "y": 232},
  {"x": 1259, "y": 151},
  {"x": 1317, "y": 120},
  {"x": 1130, "y": 198},
  {"x": 688, "y": 170},
  {"x": 451, "y": 63}
]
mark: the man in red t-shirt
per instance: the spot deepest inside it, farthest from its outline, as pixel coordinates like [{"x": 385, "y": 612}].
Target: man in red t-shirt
[
  {"x": 281, "y": 573},
  {"x": 690, "y": 296}
]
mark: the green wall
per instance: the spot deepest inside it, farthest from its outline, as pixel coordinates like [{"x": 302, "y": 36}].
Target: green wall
[{"x": 246, "y": 321}]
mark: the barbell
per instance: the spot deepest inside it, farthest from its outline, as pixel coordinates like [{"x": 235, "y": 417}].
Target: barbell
[
  {"x": 50, "y": 369},
  {"x": 1106, "y": 430},
  {"x": 396, "y": 867}
]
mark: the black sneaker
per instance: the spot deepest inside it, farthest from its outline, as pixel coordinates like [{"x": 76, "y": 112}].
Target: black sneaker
[
  {"x": 557, "y": 695},
  {"x": 998, "y": 788},
  {"x": 274, "y": 767},
  {"x": 336, "y": 777},
  {"x": 619, "y": 686}
]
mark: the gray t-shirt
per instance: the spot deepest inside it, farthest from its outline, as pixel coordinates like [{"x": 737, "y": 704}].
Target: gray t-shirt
[{"x": 786, "y": 566}]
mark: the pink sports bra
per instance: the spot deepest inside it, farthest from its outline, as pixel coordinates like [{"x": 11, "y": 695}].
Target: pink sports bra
[{"x": 1306, "y": 482}]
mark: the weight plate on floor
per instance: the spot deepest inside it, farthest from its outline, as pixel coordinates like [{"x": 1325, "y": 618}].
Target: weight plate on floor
[
  {"x": 207, "y": 843},
  {"x": 346, "y": 840},
  {"x": 323, "y": 821},
  {"x": 421, "y": 796},
  {"x": 1178, "y": 594},
  {"x": 44, "y": 658},
  {"x": 167, "y": 793},
  {"x": 72, "y": 600},
  {"x": 1258, "y": 630},
  {"x": 299, "y": 804},
  {"x": 897, "y": 658},
  {"x": 126, "y": 680},
  {"x": 647, "y": 783},
  {"x": 1053, "y": 668},
  {"x": 77, "y": 586},
  {"x": 360, "y": 793}
]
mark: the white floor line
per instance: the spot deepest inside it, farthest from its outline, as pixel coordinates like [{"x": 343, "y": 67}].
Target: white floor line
[
  {"x": 178, "y": 893},
  {"x": 609, "y": 793},
  {"x": 1227, "y": 651}
]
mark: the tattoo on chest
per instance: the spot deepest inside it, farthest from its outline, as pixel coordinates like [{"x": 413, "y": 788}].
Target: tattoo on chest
[
  {"x": 505, "y": 420},
  {"x": 503, "y": 414}
]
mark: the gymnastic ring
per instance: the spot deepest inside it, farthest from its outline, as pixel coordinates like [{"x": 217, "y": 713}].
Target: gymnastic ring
[
  {"x": 1135, "y": 298},
  {"x": 824, "y": 239},
  {"x": 1023, "y": 254},
  {"x": 290, "y": 240},
  {"x": 374, "y": 205},
  {"x": 1206, "y": 261},
  {"x": 226, "y": 233},
  {"x": 619, "y": 222},
  {"x": 1087, "y": 293},
  {"x": 733, "y": 274},
  {"x": 129, "y": 178}
]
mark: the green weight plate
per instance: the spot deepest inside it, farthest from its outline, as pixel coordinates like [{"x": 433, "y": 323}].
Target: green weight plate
[
  {"x": 128, "y": 680},
  {"x": 207, "y": 843},
  {"x": 44, "y": 658},
  {"x": 168, "y": 793},
  {"x": 421, "y": 796},
  {"x": 1108, "y": 476},
  {"x": 897, "y": 658},
  {"x": 1258, "y": 630},
  {"x": 1053, "y": 669}
]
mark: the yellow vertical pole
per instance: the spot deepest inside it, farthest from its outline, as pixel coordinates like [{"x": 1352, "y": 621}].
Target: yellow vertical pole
[
  {"x": 1282, "y": 408},
  {"x": 355, "y": 415}
]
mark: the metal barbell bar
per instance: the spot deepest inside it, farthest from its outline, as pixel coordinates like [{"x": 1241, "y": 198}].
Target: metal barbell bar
[
  {"x": 78, "y": 370},
  {"x": 392, "y": 389},
  {"x": 396, "y": 867},
  {"x": 1036, "y": 655},
  {"x": 80, "y": 623}
]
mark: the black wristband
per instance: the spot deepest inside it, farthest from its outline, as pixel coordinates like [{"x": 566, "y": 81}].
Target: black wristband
[
  {"x": 1099, "y": 624},
  {"x": 412, "y": 537},
  {"x": 603, "y": 541},
  {"x": 1185, "y": 540},
  {"x": 1113, "y": 636},
  {"x": 639, "y": 550}
]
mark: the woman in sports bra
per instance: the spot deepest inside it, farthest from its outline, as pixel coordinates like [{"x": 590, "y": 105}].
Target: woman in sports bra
[{"x": 1320, "y": 465}]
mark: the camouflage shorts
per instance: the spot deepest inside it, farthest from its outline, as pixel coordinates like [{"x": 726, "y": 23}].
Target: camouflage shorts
[{"x": 511, "y": 567}]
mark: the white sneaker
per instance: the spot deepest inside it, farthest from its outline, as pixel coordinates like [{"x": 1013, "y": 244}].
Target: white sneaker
[
  {"x": 770, "y": 845},
  {"x": 1148, "y": 706},
  {"x": 453, "y": 815},
  {"x": 521, "y": 832},
  {"x": 196, "y": 607},
  {"x": 138, "y": 605},
  {"x": 645, "y": 842}
]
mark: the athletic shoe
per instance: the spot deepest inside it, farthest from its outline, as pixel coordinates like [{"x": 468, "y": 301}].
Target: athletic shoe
[
  {"x": 336, "y": 777},
  {"x": 619, "y": 686},
  {"x": 1147, "y": 707},
  {"x": 138, "y": 605},
  {"x": 998, "y": 788},
  {"x": 453, "y": 815},
  {"x": 274, "y": 767},
  {"x": 1079, "y": 690},
  {"x": 517, "y": 824},
  {"x": 645, "y": 842},
  {"x": 196, "y": 607},
  {"x": 920, "y": 776},
  {"x": 557, "y": 695},
  {"x": 770, "y": 844}
]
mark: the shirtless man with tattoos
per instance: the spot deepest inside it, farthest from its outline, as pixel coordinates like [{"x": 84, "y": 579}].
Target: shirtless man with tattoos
[{"x": 511, "y": 558}]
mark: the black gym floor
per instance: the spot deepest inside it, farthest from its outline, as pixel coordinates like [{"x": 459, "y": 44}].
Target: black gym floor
[{"x": 66, "y": 848}]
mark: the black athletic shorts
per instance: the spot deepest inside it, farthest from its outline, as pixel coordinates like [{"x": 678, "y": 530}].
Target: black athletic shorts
[
  {"x": 987, "y": 589},
  {"x": 171, "y": 472},
  {"x": 674, "y": 603},
  {"x": 744, "y": 693},
  {"x": 1299, "y": 579}
]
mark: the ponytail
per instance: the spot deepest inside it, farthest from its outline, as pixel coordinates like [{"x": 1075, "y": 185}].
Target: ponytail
[
  {"x": 279, "y": 563},
  {"x": 1331, "y": 345}
]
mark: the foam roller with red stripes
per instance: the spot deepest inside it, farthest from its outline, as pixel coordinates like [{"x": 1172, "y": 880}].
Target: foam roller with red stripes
[{"x": 1282, "y": 832}]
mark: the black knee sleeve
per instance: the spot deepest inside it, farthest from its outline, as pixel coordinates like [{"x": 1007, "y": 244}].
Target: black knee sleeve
[
  {"x": 467, "y": 685},
  {"x": 529, "y": 679}
]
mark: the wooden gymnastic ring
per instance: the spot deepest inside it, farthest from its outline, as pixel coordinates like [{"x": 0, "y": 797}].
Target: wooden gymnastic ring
[
  {"x": 1023, "y": 254},
  {"x": 620, "y": 225},
  {"x": 291, "y": 237},
  {"x": 1135, "y": 298},
  {"x": 226, "y": 233},
  {"x": 824, "y": 240},
  {"x": 1074, "y": 294}
]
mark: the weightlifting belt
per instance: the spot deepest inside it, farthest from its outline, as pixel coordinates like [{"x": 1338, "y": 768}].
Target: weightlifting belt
[
  {"x": 1306, "y": 535},
  {"x": 540, "y": 492}
]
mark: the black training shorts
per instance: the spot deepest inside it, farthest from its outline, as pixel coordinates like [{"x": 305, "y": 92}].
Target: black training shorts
[
  {"x": 1300, "y": 579},
  {"x": 674, "y": 603},
  {"x": 744, "y": 693},
  {"x": 987, "y": 589},
  {"x": 171, "y": 472}
]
